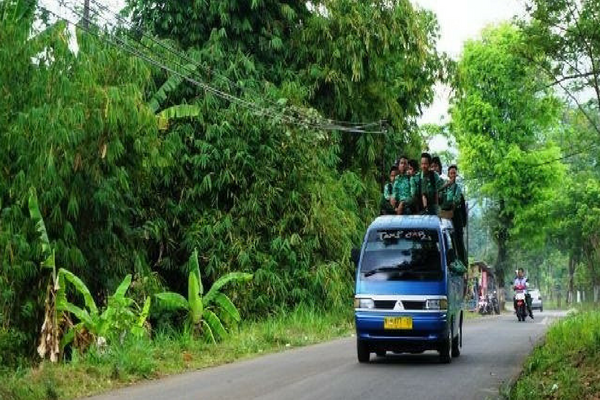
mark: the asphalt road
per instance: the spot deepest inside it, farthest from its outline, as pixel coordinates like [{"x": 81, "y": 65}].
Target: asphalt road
[{"x": 493, "y": 352}]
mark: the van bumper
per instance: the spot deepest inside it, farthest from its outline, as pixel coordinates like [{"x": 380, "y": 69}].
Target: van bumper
[{"x": 429, "y": 330}]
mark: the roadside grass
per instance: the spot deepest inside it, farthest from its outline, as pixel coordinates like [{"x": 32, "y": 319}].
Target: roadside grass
[
  {"x": 566, "y": 365},
  {"x": 168, "y": 353}
]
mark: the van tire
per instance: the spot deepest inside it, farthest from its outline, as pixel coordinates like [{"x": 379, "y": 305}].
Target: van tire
[
  {"x": 446, "y": 348},
  {"x": 457, "y": 342},
  {"x": 362, "y": 351}
]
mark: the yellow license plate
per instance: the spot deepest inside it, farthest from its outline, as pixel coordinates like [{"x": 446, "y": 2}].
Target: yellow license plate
[{"x": 397, "y": 323}]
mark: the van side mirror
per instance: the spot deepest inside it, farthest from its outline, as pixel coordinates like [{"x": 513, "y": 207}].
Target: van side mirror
[{"x": 355, "y": 256}]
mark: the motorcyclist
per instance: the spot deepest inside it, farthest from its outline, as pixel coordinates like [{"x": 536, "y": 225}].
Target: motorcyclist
[{"x": 522, "y": 281}]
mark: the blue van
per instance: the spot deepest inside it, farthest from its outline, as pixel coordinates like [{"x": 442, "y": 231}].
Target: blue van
[{"x": 409, "y": 288}]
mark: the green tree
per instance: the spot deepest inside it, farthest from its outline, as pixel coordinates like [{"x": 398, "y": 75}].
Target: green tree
[
  {"x": 566, "y": 32},
  {"x": 273, "y": 194},
  {"x": 568, "y": 217},
  {"x": 501, "y": 114},
  {"x": 369, "y": 61}
]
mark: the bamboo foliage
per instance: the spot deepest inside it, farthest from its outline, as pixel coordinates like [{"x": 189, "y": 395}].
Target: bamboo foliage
[{"x": 136, "y": 168}]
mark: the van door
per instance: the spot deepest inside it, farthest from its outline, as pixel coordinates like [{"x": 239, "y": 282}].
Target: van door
[{"x": 455, "y": 275}]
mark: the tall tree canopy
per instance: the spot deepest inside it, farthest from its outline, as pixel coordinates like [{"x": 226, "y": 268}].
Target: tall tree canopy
[
  {"x": 566, "y": 32},
  {"x": 501, "y": 113}
]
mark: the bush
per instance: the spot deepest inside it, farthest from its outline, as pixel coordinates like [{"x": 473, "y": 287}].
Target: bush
[
  {"x": 566, "y": 365},
  {"x": 12, "y": 345},
  {"x": 133, "y": 358}
]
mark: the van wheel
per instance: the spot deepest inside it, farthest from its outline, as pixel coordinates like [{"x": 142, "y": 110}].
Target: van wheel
[
  {"x": 446, "y": 348},
  {"x": 362, "y": 351},
  {"x": 457, "y": 342}
]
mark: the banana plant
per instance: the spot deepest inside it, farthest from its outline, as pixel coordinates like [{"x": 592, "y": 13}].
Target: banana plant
[
  {"x": 205, "y": 312},
  {"x": 50, "y": 331},
  {"x": 120, "y": 317}
]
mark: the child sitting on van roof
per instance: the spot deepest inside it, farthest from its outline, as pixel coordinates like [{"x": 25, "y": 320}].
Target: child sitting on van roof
[{"x": 385, "y": 206}]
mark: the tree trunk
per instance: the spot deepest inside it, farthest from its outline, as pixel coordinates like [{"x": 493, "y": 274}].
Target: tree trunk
[
  {"x": 570, "y": 289},
  {"x": 502, "y": 236}
]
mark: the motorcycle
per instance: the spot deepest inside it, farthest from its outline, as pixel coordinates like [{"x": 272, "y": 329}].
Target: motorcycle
[
  {"x": 495, "y": 304},
  {"x": 488, "y": 304},
  {"x": 520, "y": 302},
  {"x": 484, "y": 306}
]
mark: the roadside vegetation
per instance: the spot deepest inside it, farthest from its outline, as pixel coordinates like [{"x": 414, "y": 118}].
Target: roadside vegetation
[
  {"x": 148, "y": 204},
  {"x": 525, "y": 118},
  {"x": 565, "y": 365},
  {"x": 182, "y": 188},
  {"x": 169, "y": 352}
]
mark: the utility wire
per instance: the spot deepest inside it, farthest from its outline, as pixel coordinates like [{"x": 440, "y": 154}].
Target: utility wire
[
  {"x": 124, "y": 45},
  {"x": 227, "y": 96},
  {"x": 139, "y": 30}
]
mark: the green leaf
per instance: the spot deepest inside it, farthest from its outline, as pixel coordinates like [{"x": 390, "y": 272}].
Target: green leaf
[
  {"x": 173, "y": 301},
  {"x": 180, "y": 111},
  {"x": 222, "y": 281},
  {"x": 123, "y": 287},
  {"x": 227, "y": 306},
  {"x": 81, "y": 314},
  {"x": 145, "y": 312},
  {"x": 215, "y": 324},
  {"x": 195, "y": 268},
  {"x": 40, "y": 226},
  {"x": 61, "y": 293},
  {"x": 68, "y": 337},
  {"x": 194, "y": 298},
  {"x": 208, "y": 333},
  {"x": 169, "y": 86},
  {"x": 50, "y": 262},
  {"x": 81, "y": 288}
]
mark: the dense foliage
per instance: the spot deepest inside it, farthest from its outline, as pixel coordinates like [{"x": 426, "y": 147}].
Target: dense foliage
[
  {"x": 254, "y": 190},
  {"x": 501, "y": 116},
  {"x": 566, "y": 34},
  {"x": 526, "y": 118}
]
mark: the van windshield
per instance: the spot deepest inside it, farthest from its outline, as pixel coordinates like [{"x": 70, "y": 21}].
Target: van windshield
[{"x": 404, "y": 254}]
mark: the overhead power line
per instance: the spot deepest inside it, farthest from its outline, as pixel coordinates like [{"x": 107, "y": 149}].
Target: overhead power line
[
  {"x": 303, "y": 120},
  {"x": 131, "y": 28}
]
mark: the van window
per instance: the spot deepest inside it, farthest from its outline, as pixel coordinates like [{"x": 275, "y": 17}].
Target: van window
[
  {"x": 405, "y": 254},
  {"x": 450, "y": 245}
]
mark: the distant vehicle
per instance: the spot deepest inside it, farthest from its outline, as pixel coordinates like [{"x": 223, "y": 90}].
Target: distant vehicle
[
  {"x": 521, "y": 302},
  {"x": 536, "y": 300},
  {"x": 488, "y": 304},
  {"x": 409, "y": 288}
]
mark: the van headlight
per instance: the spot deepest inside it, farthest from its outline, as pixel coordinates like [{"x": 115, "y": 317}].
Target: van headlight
[
  {"x": 437, "y": 304},
  {"x": 363, "y": 303}
]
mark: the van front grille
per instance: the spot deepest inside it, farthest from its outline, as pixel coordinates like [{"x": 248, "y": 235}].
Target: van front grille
[
  {"x": 385, "y": 304},
  {"x": 413, "y": 305}
]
